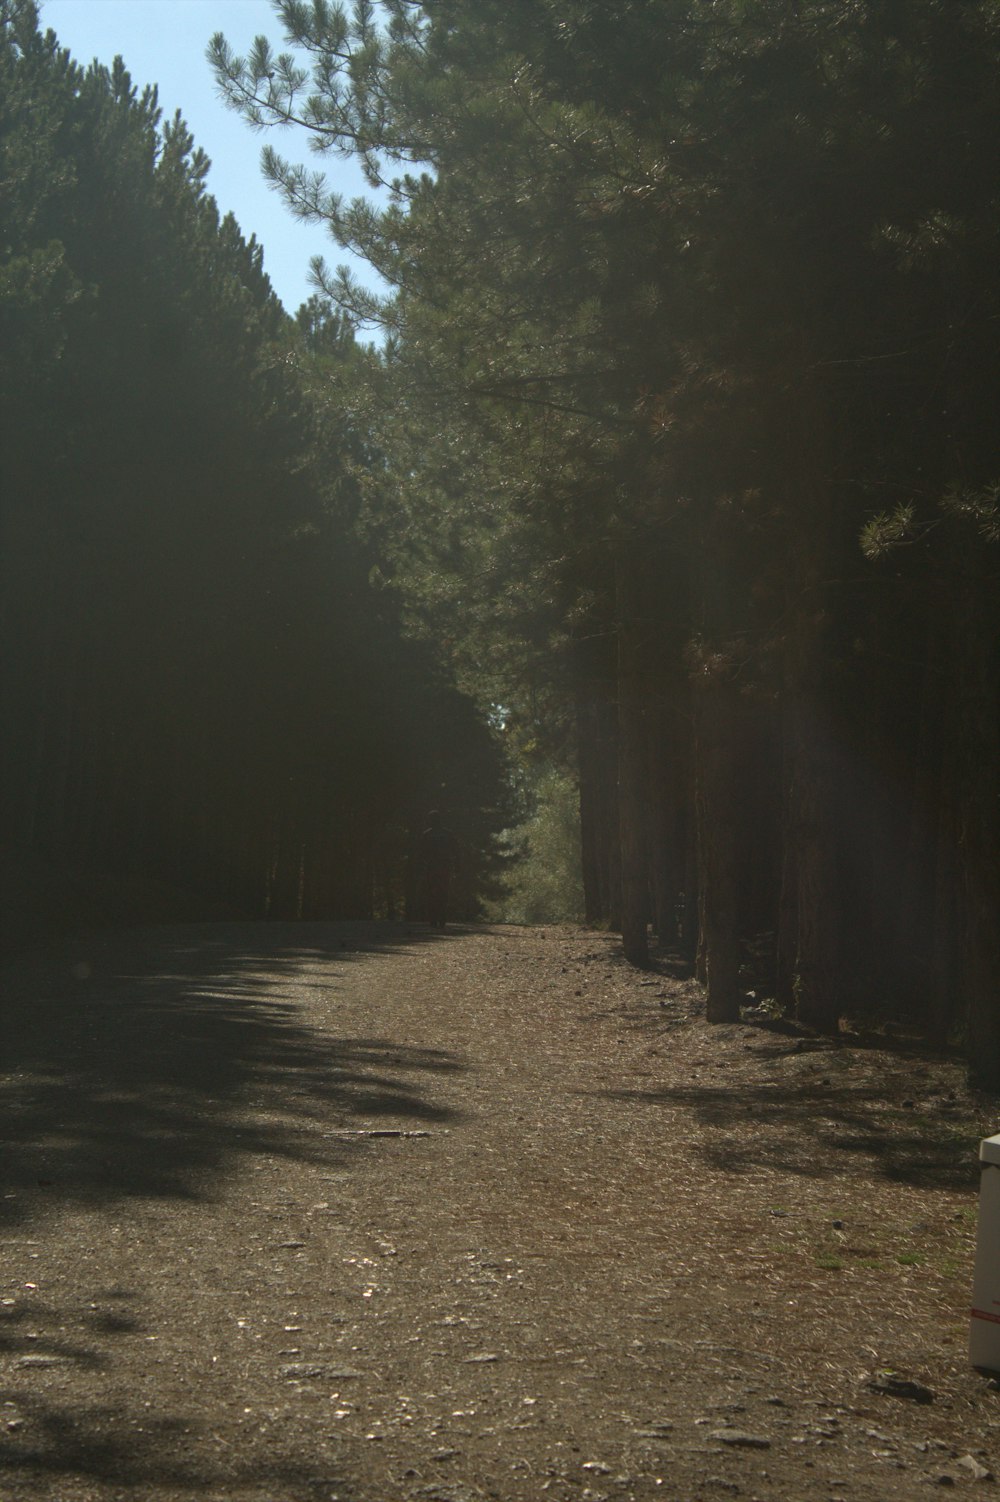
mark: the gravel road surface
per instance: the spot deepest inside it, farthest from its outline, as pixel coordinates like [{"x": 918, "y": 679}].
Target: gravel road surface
[{"x": 367, "y": 1213}]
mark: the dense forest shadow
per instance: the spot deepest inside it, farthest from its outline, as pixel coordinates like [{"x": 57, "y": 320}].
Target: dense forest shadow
[
  {"x": 817, "y": 1129},
  {"x": 108, "y": 1447},
  {"x": 144, "y": 1064},
  {"x": 149, "y": 1064}
]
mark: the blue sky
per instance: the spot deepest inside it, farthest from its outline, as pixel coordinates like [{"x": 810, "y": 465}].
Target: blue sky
[{"x": 163, "y": 42}]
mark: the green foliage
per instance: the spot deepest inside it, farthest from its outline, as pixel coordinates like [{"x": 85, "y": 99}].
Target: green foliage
[
  {"x": 886, "y": 531},
  {"x": 546, "y": 884},
  {"x": 199, "y": 684},
  {"x": 687, "y": 298}
]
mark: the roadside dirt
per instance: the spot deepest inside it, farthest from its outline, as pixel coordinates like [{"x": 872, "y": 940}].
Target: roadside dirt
[{"x": 363, "y": 1213}]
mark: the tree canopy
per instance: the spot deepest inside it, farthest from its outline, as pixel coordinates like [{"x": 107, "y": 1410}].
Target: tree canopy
[{"x": 688, "y": 387}]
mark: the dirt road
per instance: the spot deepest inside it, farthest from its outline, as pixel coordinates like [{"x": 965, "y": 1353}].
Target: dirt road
[{"x": 354, "y": 1212}]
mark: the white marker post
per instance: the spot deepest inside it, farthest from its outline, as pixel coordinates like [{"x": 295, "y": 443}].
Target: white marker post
[{"x": 984, "y": 1337}]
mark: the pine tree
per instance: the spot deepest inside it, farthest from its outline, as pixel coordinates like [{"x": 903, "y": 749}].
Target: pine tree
[{"x": 690, "y": 293}]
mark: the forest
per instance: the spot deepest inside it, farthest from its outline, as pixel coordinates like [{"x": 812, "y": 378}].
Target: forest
[
  {"x": 672, "y": 476},
  {"x": 202, "y": 689}
]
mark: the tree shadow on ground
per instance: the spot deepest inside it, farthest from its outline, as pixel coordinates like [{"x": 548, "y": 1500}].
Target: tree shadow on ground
[
  {"x": 54, "y": 1435},
  {"x": 161, "y": 1456},
  {"x": 819, "y": 1130},
  {"x": 147, "y": 1064},
  {"x": 152, "y": 1065}
]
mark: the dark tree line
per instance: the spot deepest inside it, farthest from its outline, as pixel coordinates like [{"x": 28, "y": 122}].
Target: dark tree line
[
  {"x": 199, "y": 685},
  {"x": 699, "y": 302}
]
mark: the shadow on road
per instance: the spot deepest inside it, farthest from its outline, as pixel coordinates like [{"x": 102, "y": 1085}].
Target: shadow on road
[
  {"x": 164, "y": 1456},
  {"x": 151, "y": 1065},
  {"x": 143, "y": 1066},
  {"x": 813, "y": 1129}
]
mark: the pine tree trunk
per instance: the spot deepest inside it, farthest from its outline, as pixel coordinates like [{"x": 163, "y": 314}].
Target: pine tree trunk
[
  {"x": 977, "y": 731},
  {"x": 811, "y": 819},
  {"x": 716, "y": 742},
  {"x": 597, "y": 764},
  {"x": 910, "y": 920},
  {"x": 816, "y": 895},
  {"x": 688, "y": 897},
  {"x": 632, "y": 762},
  {"x": 673, "y": 881},
  {"x": 592, "y": 855}
]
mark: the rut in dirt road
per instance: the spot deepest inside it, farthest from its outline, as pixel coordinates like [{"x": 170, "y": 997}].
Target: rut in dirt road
[{"x": 365, "y": 1212}]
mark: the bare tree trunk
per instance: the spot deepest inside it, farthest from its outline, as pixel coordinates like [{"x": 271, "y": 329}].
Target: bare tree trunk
[
  {"x": 632, "y": 762},
  {"x": 811, "y": 820},
  {"x": 977, "y": 730},
  {"x": 716, "y": 740},
  {"x": 597, "y": 765},
  {"x": 909, "y": 927},
  {"x": 593, "y": 853},
  {"x": 813, "y": 828},
  {"x": 671, "y": 802}
]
